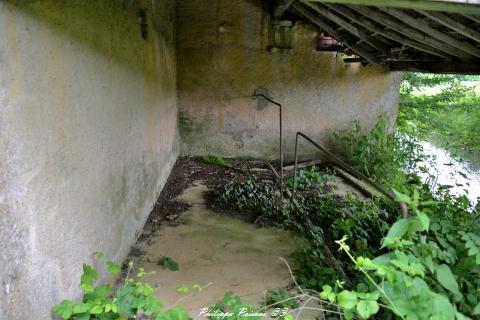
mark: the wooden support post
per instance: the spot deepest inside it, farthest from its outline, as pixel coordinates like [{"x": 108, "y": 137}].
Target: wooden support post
[
  {"x": 452, "y": 24},
  {"x": 432, "y": 5},
  {"x": 336, "y": 34},
  {"x": 357, "y": 32},
  {"x": 408, "y": 31},
  {"x": 423, "y": 26},
  {"x": 367, "y": 23}
]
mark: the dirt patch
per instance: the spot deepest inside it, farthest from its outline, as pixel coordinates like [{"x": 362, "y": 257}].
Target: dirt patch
[{"x": 167, "y": 210}]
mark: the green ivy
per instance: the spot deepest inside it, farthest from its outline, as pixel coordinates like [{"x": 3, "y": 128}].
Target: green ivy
[{"x": 105, "y": 302}]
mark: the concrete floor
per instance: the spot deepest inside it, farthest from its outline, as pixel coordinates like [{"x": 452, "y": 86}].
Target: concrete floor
[{"x": 226, "y": 254}]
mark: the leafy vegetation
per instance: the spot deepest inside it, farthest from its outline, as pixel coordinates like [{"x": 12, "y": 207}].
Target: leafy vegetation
[
  {"x": 232, "y": 308},
  {"x": 214, "y": 160},
  {"x": 423, "y": 267},
  {"x": 449, "y": 116},
  {"x": 133, "y": 300},
  {"x": 280, "y": 298},
  {"x": 168, "y": 263}
]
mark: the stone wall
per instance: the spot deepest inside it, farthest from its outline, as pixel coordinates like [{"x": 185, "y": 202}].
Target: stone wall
[
  {"x": 87, "y": 138},
  {"x": 222, "y": 57}
]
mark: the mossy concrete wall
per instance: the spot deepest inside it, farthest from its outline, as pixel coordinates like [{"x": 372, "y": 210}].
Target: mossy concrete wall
[
  {"x": 87, "y": 139},
  {"x": 222, "y": 57}
]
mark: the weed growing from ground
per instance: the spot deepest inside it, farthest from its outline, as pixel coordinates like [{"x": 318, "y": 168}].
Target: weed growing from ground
[{"x": 214, "y": 160}]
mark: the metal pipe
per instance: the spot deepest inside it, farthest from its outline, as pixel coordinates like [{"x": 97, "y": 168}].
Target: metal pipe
[
  {"x": 357, "y": 174},
  {"x": 256, "y": 94}
]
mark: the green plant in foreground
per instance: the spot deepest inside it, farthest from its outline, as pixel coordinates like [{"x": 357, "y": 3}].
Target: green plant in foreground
[
  {"x": 133, "y": 300},
  {"x": 214, "y": 159},
  {"x": 168, "y": 263},
  {"x": 280, "y": 298},
  {"x": 232, "y": 308},
  {"x": 429, "y": 272}
]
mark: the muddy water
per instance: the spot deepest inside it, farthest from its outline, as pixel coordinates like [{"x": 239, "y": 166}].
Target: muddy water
[
  {"x": 223, "y": 253},
  {"x": 446, "y": 171}
]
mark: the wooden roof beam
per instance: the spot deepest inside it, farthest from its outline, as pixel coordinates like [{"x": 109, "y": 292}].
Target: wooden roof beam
[
  {"x": 336, "y": 34},
  {"x": 357, "y": 32},
  {"x": 424, "y": 27},
  {"x": 452, "y": 24},
  {"x": 462, "y": 6},
  {"x": 387, "y": 21},
  {"x": 473, "y": 18},
  {"x": 367, "y": 23}
]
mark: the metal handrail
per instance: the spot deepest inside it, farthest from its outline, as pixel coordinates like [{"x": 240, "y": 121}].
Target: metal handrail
[
  {"x": 357, "y": 174},
  {"x": 255, "y": 95}
]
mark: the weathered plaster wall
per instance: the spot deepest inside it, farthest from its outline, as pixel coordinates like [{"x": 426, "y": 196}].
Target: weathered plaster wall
[
  {"x": 222, "y": 58},
  {"x": 87, "y": 139}
]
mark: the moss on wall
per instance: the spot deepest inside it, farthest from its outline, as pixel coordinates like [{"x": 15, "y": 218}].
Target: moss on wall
[
  {"x": 222, "y": 57},
  {"x": 87, "y": 138}
]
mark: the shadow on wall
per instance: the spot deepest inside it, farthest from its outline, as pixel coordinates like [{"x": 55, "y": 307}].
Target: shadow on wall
[
  {"x": 87, "y": 136},
  {"x": 95, "y": 25}
]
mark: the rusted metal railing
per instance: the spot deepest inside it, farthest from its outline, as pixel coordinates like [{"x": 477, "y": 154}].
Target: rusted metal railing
[{"x": 357, "y": 174}]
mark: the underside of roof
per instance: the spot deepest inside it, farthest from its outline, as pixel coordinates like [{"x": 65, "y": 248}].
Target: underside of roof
[{"x": 403, "y": 35}]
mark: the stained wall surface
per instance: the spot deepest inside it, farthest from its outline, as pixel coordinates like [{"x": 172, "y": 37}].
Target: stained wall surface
[
  {"x": 89, "y": 120},
  {"x": 87, "y": 138},
  {"x": 223, "y": 57}
]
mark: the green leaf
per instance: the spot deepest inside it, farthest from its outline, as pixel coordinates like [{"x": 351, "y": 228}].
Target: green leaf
[
  {"x": 398, "y": 229},
  {"x": 83, "y": 316},
  {"x": 97, "y": 309},
  {"x": 113, "y": 268},
  {"x": 402, "y": 197},
  {"x": 81, "y": 308},
  {"x": 347, "y": 299},
  {"x": 366, "y": 308},
  {"x": 89, "y": 275},
  {"x": 183, "y": 289},
  {"x": 424, "y": 220},
  {"x": 64, "y": 309},
  {"x": 476, "y": 310},
  {"x": 446, "y": 278}
]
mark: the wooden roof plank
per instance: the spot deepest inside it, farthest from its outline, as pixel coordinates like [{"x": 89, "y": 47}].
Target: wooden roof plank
[
  {"x": 408, "y": 31},
  {"x": 423, "y": 26},
  {"x": 349, "y": 27},
  {"x": 328, "y": 28},
  {"x": 367, "y": 23},
  {"x": 452, "y": 24},
  {"x": 466, "y": 6}
]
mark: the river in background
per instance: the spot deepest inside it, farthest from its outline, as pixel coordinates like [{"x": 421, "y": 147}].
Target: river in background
[{"x": 462, "y": 176}]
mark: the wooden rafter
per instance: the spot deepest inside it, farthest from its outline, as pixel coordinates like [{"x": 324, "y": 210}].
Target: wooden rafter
[
  {"x": 315, "y": 19},
  {"x": 424, "y": 27},
  {"x": 432, "y": 5},
  {"x": 408, "y": 31},
  {"x": 367, "y": 23},
  {"x": 400, "y": 34},
  {"x": 452, "y": 24},
  {"x": 357, "y": 32}
]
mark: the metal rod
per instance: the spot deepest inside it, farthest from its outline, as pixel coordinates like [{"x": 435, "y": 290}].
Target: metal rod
[
  {"x": 357, "y": 174},
  {"x": 255, "y": 94}
]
